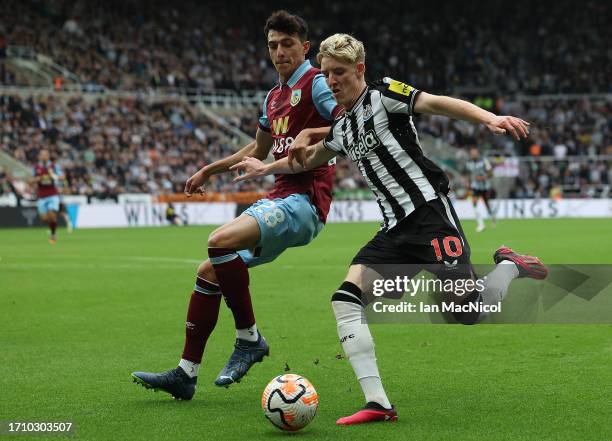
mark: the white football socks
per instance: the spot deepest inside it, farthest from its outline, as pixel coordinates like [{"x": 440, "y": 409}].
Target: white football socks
[
  {"x": 358, "y": 346},
  {"x": 248, "y": 334},
  {"x": 190, "y": 368},
  {"x": 373, "y": 390},
  {"x": 479, "y": 220},
  {"x": 498, "y": 281}
]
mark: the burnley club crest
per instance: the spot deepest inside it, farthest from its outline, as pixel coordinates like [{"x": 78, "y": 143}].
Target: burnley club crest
[{"x": 296, "y": 96}]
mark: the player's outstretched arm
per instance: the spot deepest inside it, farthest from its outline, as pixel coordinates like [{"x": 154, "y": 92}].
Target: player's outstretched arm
[
  {"x": 308, "y": 157},
  {"x": 309, "y": 137},
  {"x": 258, "y": 149},
  {"x": 459, "y": 109},
  {"x": 312, "y": 157}
]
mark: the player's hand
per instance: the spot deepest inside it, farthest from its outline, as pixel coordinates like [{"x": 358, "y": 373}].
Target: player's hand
[
  {"x": 297, "y": 153},
  {"x": 195, "y": 184},
  {"x": 298, "y": 147},
  {"x": 303, "y": 140},
  {"x": 517, "y": 127},
  {"x": 249, "y": 168}
]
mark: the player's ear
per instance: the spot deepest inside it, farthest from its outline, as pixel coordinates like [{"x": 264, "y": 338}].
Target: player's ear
[
  {"x": 361, "y": 67},
  {"x": 306, "y": 47}
]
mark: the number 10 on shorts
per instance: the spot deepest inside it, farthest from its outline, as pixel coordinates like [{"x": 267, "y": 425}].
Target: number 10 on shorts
[{"x": 451, "y": 244}]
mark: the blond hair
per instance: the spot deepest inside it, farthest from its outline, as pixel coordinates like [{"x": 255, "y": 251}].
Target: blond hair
[{"x": 342, "y": 47}]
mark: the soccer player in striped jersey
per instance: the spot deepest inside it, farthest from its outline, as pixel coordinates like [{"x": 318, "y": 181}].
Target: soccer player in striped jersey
[
  {"x": 300, "y": 108},
  {"x": 419, "y": 225},
  {"x": 479, "y": 169}
]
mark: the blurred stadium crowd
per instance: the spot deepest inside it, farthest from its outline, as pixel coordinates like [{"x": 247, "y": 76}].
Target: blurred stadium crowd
[
  {"x": 109, "y": 145},
  {"x": 214, "y": 44}
]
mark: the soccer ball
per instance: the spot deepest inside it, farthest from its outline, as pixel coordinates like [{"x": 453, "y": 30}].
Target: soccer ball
[{"x": 290, "y": 402}]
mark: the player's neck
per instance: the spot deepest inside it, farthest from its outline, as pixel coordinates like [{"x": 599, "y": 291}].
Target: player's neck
[
  {"x": 285, "y": 78},
  {"x": 358, "y": 91}
]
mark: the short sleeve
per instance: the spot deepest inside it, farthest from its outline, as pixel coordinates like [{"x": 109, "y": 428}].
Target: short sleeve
[
  {"x": 397, "y": 97},
  {"x": 323, "y": 98},
  {"x": 264, "y": 124},
  {"x": 333, "y": 140}
]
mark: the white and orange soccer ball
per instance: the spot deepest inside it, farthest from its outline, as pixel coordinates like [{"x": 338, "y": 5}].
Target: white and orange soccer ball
[{"x": 290, "y": 402}]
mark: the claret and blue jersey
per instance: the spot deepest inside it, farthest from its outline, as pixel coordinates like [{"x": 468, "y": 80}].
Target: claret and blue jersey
[
  {"x": 304, "y": 101},
  {"x": 295, "y": 210},
  {"x": 48, "y": 193}
]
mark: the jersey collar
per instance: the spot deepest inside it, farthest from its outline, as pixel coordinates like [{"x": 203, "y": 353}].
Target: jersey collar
[
  {"x": 299, "y": 73},
  {"x": 359, "y": 100}
]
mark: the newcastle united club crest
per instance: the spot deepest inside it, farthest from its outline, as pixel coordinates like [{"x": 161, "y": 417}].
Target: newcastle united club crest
[{"x": 296, "y": 96}]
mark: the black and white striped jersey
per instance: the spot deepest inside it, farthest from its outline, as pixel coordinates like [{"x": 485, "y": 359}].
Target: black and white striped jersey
[
  {"x": 479, "y": 174},
  {"x": 379, "y": 135}
]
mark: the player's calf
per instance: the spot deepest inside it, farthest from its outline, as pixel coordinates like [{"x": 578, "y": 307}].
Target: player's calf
[
  {"x": 357, "y": 342},
  {"x": 510, "y": 265}
]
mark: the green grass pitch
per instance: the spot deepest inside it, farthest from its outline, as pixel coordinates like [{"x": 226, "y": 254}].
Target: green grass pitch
[{"x": 78, "y": 317}]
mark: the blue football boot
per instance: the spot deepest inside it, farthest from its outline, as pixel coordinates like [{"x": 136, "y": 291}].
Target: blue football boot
[
  {"x": 175, "y": 382},
  {"x": 246, "y": 354}
]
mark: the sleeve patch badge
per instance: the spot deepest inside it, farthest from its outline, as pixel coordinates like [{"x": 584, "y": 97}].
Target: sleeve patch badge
[{"x": 399, "y": 87}]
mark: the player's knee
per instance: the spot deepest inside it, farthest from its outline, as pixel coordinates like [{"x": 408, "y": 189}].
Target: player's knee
[
  {"x": 220, "y": 239},
  {"x": 207, "y": 272},
  {"x": 206, "y": 285}
]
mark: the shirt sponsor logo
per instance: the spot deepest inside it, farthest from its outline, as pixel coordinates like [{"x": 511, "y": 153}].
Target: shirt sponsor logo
[
  {"x": 280, "y": 125},
  {"x": 366, "y": 142}
]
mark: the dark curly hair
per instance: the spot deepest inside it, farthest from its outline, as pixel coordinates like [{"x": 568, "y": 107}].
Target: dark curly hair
[{"x": 290, "y": 24}]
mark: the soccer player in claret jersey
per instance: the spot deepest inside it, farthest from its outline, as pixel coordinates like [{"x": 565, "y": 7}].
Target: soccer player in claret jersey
[
  {"x": 292, "y": 214},
  {"x": 377, "y": 132},
  {"x": 480, "y": 185},
  {"x": 46, "y": 176}
]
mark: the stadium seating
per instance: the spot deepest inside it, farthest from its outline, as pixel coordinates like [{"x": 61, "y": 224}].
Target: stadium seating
[
  {"x": 113, "y": 145},
  {"x": 133, "y": 46}
]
